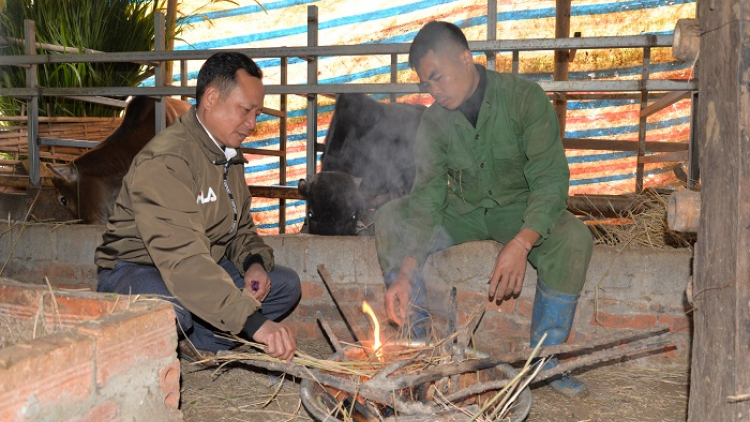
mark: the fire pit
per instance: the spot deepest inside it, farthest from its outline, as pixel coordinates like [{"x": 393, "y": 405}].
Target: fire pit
[{"x": 327, "y": 404}]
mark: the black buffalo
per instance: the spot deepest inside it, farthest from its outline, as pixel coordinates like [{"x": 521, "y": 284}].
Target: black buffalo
[{"x": 368, "y": 160}]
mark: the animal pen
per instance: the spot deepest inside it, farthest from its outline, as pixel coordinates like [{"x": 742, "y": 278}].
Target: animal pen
[{"x": 629, "y": 289}]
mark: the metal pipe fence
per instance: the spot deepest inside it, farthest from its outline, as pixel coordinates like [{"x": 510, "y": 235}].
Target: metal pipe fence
[{"x": 643, "y": 89}]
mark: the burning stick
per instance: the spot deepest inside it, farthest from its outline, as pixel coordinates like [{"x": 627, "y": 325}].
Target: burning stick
[
  {"x": 376, "y": 345},
  {"x": 349, "y": 317}
]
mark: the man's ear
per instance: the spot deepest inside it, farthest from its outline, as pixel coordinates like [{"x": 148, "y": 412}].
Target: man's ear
[
  {"x": 210, "y": 96},
  {"x": 467, "y": 58}
]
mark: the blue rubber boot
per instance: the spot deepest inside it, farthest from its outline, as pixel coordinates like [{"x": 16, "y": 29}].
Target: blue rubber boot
[
  {"x": 417, "y": 327},
  {"x": 553, "y": 314}
]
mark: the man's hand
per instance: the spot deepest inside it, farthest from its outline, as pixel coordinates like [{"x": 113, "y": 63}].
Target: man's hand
[
  {"x": 510, "y": 266},
  {"x": 257, "y": 282},
  {"x": 278, "y": 340},
  {"x": 397, "y": 299}
]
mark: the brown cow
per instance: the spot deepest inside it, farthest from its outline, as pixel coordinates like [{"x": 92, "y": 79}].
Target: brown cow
[{"x": 88, "y": 186}]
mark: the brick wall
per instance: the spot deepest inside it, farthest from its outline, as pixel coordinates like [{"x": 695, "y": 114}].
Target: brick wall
[
  {"x": 628, "y": 289},
  {"x": 100, "y": 348}
]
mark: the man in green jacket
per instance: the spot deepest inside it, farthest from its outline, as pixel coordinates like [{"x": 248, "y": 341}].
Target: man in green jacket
[
  {"x": 490, "y": 165},
  {"x": 182, "y": 228}
]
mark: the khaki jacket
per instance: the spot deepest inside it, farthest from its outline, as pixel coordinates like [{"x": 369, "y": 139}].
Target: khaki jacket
[
  {"x": 175, "y": 211},
  {"x": 514, "y": 155}
]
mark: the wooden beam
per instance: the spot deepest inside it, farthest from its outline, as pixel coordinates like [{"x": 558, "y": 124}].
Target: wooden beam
[
  {"x": 665, "y": 101},
  {"x": 615, "y": 145},
  {"x": 258, "y": 151},
  {"x": 665, "y": 157},
  {"x": 283, "y": 192}
]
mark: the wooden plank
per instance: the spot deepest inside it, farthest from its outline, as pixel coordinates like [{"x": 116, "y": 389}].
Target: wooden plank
[
  {"x": 666, "y": 157},
  {"x": 21, "y": 181},
  {"x": 269, "y": 152},
  {"x": 275, "y": 191},
  {"x": 665, "y": 101},
  {"x": 721, "y": 314},
  {"x": 617, "y": 145}
]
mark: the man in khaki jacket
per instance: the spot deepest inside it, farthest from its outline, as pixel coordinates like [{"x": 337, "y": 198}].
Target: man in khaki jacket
[{"x": 182, "y": 228}]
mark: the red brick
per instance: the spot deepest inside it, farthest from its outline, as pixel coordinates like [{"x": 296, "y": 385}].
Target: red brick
[
  {"x": 349, "y": 293},
  {"x": 313, "y": 290},
  {"x": 169, "y": 381},
  {"x": 54, "y": 368},
  {"x": 60, "y": 272},
  {"x": 106, "y": 412},
  {"x": 146, "y": 331},
  {"x": 607, "y": 320},
  {"x": 525, "y": 308},
  {"x": 305, "y": 329},
  {"x": 310, "y": 310},
  {"x": 471, "y": 299},
  {"x": 501, "y": 325},
  {"x": 507, "y": 306},
  {"x": 677, "y": 323}
]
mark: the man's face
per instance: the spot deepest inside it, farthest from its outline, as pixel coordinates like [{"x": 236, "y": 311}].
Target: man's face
[
  {"x": 230, "y": 120},
  {"x": 447, "y": 74}
]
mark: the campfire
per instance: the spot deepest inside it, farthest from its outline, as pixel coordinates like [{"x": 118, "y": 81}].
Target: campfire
[{"x": 444, "y": 380}]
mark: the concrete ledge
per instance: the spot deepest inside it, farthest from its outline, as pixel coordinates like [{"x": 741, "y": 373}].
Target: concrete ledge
[{"x": 625, "y": 289}]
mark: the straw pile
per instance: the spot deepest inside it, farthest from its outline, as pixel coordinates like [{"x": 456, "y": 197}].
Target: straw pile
[{"x": 648, "y": 228}]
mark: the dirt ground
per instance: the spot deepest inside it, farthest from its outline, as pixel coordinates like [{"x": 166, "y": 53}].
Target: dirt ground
[{"x": 619, "y": 393}]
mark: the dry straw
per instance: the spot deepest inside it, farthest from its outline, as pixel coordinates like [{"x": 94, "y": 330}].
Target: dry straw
[{"x": 647, "y": 228}]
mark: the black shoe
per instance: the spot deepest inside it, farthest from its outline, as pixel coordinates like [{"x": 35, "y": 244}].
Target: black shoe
[{"x": 188, "y": 352}]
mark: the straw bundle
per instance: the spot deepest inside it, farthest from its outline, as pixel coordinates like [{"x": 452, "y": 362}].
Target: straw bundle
[{"x": 648, "y": 228}]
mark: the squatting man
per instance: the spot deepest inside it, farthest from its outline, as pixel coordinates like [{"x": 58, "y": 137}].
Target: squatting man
[
  {"x": 182, "y": 228},
  {"x": 490, "y": 165}
]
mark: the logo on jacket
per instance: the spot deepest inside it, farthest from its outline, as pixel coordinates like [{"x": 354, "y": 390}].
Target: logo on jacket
[{"x": 209, "y": 197}]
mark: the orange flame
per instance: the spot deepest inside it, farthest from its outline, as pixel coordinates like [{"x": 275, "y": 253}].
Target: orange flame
[{"x": 376, "y": 345}]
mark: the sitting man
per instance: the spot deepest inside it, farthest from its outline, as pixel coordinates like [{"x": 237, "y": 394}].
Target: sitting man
[
  {"x": 490, "y": 165},
  {"x": 182, "y": 228}
]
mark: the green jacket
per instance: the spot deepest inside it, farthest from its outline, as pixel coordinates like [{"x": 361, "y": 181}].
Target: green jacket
[
  {"x": 174, "y": 212},
  {"x": 514, "y": 155}
]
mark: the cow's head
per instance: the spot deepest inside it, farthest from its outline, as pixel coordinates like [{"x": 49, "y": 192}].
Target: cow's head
[
  {"x": 88, "y": 198},
  {"x": 88, "y": 186},
  {"x": 333, "y": 203}
]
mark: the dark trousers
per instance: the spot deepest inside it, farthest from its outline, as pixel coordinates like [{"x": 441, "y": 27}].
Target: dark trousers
[{"x": 129, "y": 278}]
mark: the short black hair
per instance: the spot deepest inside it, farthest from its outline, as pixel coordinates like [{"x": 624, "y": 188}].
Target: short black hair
[
  {"x": 221, "y": 69},
  {"x": 435, "y": 36}
]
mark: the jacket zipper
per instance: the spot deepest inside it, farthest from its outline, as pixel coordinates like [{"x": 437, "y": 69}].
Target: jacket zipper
[{"x": 231, "y": 198}]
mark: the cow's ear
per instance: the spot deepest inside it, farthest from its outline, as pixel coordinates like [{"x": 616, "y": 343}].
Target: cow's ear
[
  {"x": 303, "y": 187},
  {"x": 65, "y": 172},
  {"x": 357, "y": 181}
]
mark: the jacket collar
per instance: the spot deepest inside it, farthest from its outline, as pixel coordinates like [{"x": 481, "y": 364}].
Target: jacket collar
[{"x": 214, "y": 154}]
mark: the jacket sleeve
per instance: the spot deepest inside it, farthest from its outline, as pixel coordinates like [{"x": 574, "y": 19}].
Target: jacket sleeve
[
  {"x": 429, "y": 194},
  {"x": 171, "y": 226},
  {"x": 248, "y": 246},
  {"x": 546, "y": 171}
]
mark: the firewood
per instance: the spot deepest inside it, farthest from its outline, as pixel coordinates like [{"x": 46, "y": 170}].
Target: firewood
[{"x": 638, "y": 347}]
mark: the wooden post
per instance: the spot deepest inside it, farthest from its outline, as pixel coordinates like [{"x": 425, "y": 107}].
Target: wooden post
[
  {"x": 159, "y": 36},
  {"x": 29, "y": 34},
  {"x": 171, "y": 27},
  {"x": 312, "y": 99},
  {"x": 282, "y": 144},
  {"x": 720, "y": 372},
  {"x": 562, "y": 58}
]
